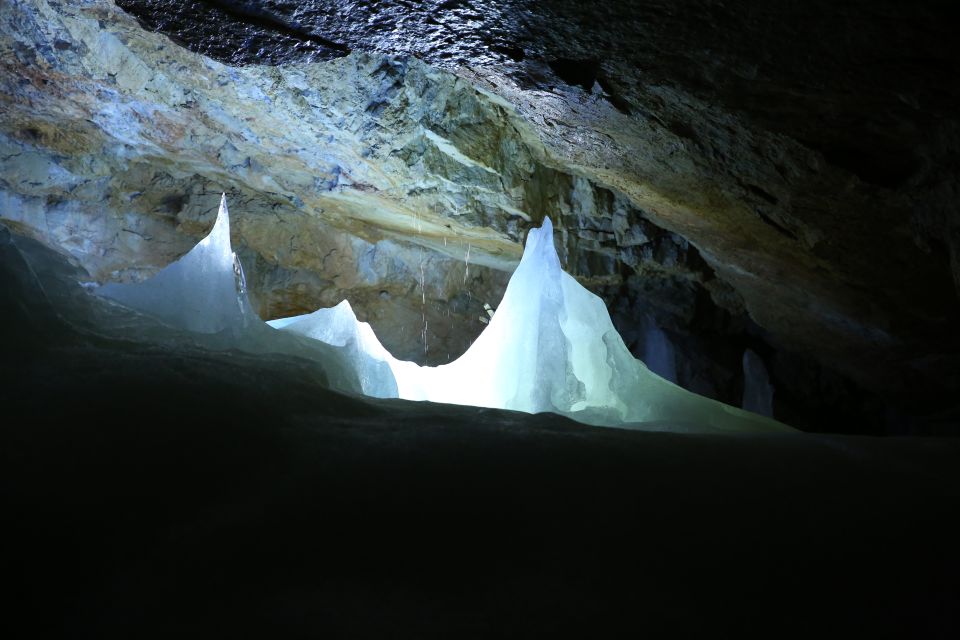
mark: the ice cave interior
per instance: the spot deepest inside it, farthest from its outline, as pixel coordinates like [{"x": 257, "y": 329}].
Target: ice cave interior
[
  {"x": 527, "y": 319},
  {"x": 550, "y": 346}
]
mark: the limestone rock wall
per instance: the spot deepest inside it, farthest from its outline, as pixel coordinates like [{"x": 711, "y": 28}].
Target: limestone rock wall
[
  {"x": 407, "y": 186},
  {"x": 399, "y": 186}
]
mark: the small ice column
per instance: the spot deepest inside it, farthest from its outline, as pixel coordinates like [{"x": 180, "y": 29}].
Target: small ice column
[
  {"x": 658, "y": 352},
  {"x": 198, "y": 292},
  {"x": 757, "y": 390}
]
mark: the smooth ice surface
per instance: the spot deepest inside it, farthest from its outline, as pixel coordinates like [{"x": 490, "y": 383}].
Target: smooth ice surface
[
  {"x": 202, "y": 291},
  {"x": 339, "y": 327},
  {"x": 551, "y": 346}
]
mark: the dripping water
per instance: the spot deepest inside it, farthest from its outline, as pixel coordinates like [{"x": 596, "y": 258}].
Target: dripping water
[{"x": 423, "y": 302}]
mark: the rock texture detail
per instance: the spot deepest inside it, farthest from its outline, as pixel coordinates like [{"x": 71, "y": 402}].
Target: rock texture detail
[{"x": 714, "y": 187}]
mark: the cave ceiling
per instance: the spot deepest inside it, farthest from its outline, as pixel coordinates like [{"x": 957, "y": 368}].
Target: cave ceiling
[{"x": 780, "y": 175}]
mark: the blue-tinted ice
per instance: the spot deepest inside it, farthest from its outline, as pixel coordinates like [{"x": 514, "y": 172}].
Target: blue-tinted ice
[
  {"x": 551, "y": 345},
  {"x": 198, "y": 292}
]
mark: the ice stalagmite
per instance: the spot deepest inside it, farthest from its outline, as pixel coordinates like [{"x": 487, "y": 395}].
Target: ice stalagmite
[
  {"x": 203, "y": 291},
  {"x": 551, "y": 346},
  {"x": 523, "y": 359}
]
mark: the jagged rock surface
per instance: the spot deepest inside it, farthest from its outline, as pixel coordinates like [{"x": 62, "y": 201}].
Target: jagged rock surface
[
  {"x": 701, "y": 173},
  {"x": 344, "y": 183}
]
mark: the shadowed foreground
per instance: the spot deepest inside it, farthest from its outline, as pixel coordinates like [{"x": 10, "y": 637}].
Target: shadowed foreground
[{"x": 156, "y": 491}]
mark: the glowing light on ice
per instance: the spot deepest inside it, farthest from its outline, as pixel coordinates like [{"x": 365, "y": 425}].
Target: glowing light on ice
[
  {"x": 203, "y": 291},
  {"x": 339, "y": 327},
  {"x": 550, "y": 346}
]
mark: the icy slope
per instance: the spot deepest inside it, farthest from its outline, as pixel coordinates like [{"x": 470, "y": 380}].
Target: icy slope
[
  {"x": 551, "y": 346},
  {"x": 339, "y": 327},
  {"x": 204, "y": 293},
  {"x": 154, "y": 483}
]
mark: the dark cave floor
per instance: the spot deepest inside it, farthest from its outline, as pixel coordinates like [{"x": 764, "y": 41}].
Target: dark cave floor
[
  {"x": 155, "y": 492},
  {"x": 201, "y": 505}
]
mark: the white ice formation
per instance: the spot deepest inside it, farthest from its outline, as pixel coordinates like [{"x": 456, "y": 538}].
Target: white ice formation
[
  {"x": 203, "y": 291},
  {"x": 549, "y": 347},
  {"x": 339, "y": 327}
]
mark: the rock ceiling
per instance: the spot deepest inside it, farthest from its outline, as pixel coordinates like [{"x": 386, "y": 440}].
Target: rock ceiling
[{"x": 744, "y": 178}]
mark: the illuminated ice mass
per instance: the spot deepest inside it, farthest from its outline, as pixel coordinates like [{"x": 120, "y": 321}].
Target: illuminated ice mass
[{"x": 551, "y": 345}]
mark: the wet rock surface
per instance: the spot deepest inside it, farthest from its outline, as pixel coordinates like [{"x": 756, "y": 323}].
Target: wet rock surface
[{"x": 775, "y": 177}]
